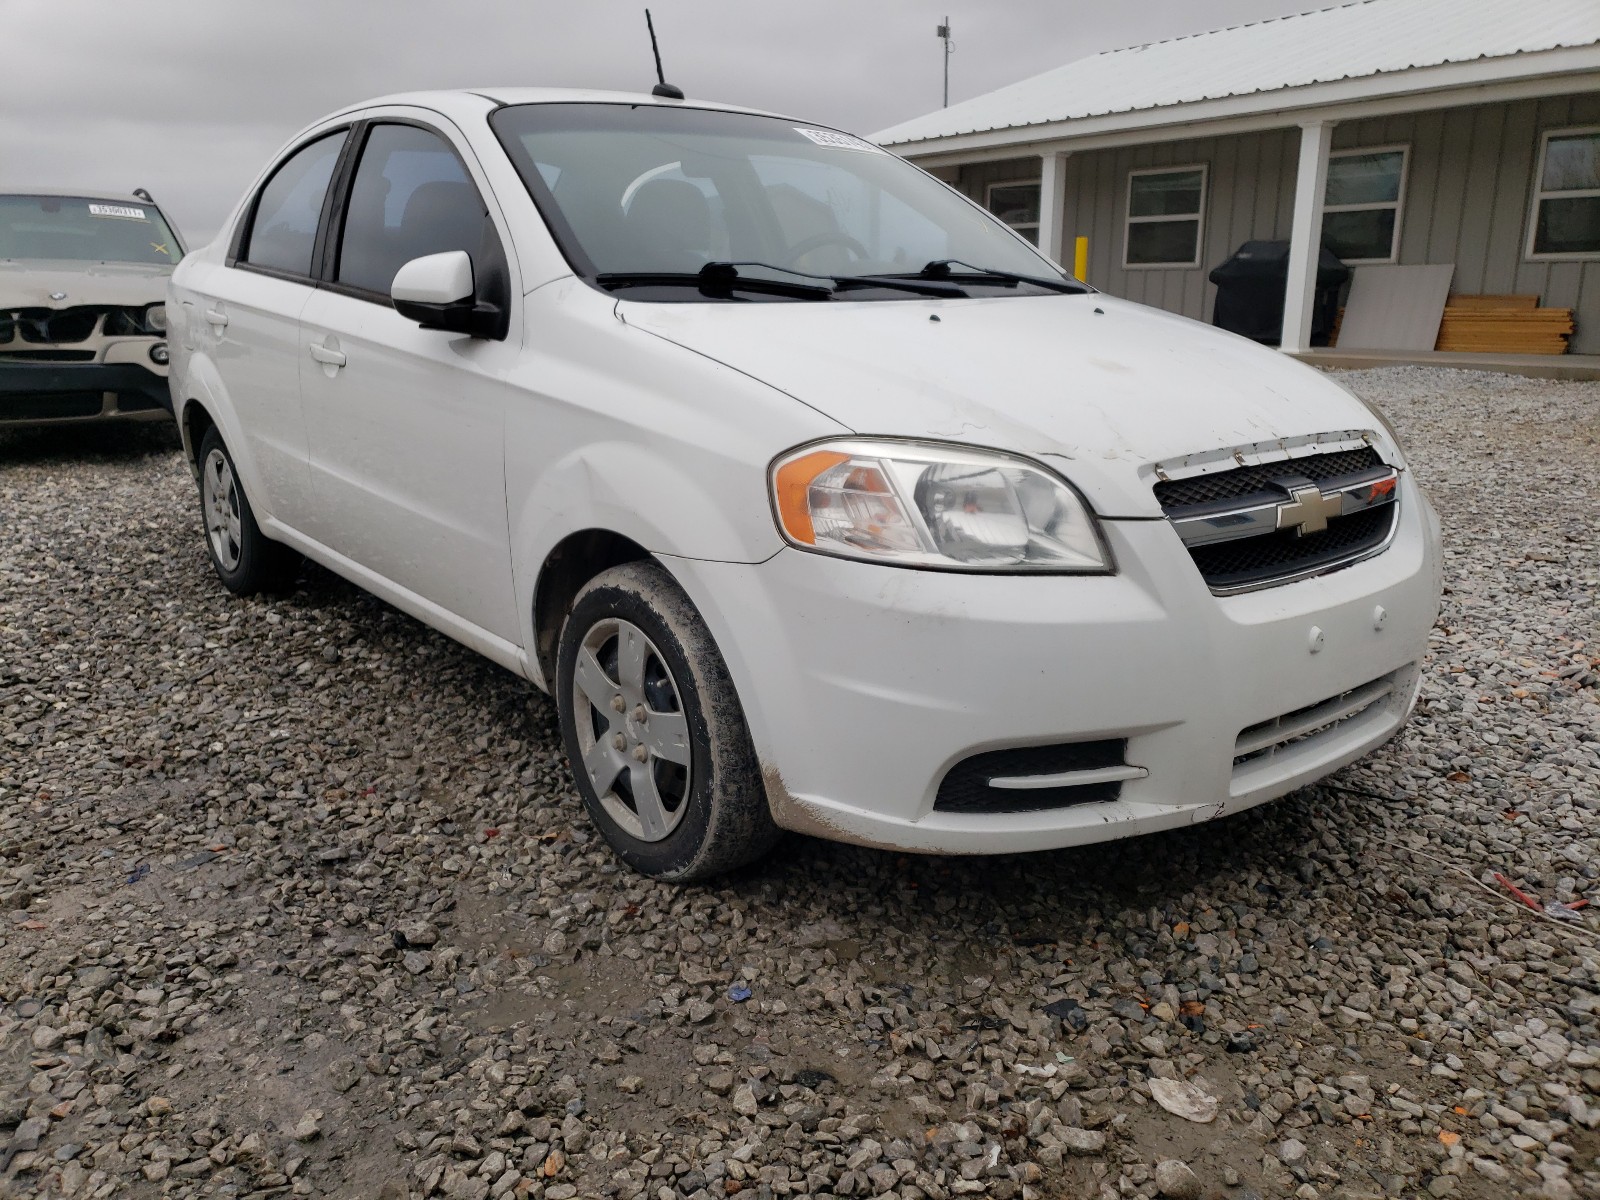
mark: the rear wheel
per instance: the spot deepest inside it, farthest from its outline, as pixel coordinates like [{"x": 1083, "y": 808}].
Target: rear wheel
[
  {"x": 245, "y": 559},
  {"x": 657, "y": 739}
]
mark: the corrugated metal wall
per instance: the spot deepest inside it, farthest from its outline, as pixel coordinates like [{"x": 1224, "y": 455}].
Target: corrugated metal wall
[{"x": 1468, "y": 191}]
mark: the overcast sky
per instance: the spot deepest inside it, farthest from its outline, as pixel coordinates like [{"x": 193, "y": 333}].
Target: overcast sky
[{"x": 189, "y": 98}]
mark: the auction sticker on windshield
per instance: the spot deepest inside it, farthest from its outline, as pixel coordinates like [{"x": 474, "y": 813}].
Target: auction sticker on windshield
[
  {"x": 122, "y": 211},
  {"x": 839, "y": 141}
]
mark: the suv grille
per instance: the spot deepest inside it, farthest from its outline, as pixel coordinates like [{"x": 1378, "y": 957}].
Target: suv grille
[
  {"x": 52, "y": 326},
  {"x": 1245, "y": 481}
]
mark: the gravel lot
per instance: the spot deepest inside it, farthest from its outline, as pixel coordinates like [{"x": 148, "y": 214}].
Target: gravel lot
[{"x": 298, "y": 900}]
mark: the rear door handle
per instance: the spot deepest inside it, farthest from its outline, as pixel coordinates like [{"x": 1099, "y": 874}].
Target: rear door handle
[
  {"x": 334, "y": 358},
  {"x": 217, "y": 318}
]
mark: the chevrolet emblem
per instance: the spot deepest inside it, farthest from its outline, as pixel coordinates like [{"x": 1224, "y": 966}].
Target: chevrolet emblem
[{"x": 1307, "y": 510}]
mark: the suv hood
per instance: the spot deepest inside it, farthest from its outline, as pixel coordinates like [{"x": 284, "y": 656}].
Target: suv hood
[
  {"x": 1110, "y": 387},
  {"x": 28, "y": 283}
]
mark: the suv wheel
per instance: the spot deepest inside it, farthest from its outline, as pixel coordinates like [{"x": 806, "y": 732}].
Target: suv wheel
[
  {"x": 246, "y": 560},
  {"x": 652, "y": 725}
]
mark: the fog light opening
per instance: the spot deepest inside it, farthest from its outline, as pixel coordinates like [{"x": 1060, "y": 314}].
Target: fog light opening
[{"x": 159, "y": 354}]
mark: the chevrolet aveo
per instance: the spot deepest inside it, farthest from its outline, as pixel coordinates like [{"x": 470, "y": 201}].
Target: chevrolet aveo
[{"x": 816, "y": 497}]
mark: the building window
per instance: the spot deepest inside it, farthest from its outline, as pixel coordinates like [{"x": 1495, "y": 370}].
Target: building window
[
  {"x": 1566, "y": 196},
  {"x": 1361, "y": 205},
  {"x": 1017, "y": 204},
  {"x": 1165, "y": 210}
]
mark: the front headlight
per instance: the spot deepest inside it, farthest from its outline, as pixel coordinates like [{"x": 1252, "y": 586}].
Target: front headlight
[
  {"x": 155, "y": 318},
  {"x": 928, "y": 505}
]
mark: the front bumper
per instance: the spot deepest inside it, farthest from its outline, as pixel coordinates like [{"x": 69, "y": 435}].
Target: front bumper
[
  {"x": 39, "y": 393},
  {"x": 863, "y": 685}
]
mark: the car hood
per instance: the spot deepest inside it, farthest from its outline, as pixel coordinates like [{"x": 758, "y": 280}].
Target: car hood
[
  {"x": 30, "y": 283},
  {"x": 1108, "y": 389}
]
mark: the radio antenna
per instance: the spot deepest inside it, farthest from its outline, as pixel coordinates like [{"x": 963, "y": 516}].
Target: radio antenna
[{"x": 662, "y": 87}]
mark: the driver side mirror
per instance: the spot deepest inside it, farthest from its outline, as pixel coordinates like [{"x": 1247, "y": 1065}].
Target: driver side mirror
[{"x": 437, "y": 291}]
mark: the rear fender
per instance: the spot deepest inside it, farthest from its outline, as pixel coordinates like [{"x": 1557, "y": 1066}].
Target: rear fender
[{"x": 202, "y": 384}]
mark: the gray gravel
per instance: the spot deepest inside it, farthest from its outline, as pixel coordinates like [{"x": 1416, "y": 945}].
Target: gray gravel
[{"x": 297, "y": 899}]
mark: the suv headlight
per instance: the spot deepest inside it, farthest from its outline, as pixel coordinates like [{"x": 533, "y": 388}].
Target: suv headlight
[
  {"x": 928, "y": 505},
  {"x": 155, "y": 318}
]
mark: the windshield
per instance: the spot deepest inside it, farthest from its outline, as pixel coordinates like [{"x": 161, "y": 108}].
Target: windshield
[
  {"x": 633, "y": 190},
  {"x": 85, "y": 230}
]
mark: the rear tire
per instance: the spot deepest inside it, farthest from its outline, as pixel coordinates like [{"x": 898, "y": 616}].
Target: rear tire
[
  {"x": 659, "y": 748},
  {"x": 245, "y": 559}
]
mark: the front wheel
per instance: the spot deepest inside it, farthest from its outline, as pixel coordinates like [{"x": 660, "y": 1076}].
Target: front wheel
[
  {"x": 653, "y": 728},
  {"x": 246, "y": 560}
]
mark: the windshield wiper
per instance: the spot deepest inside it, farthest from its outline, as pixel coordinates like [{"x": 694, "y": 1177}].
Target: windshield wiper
[
  {"x": 715, "y": 279},
  {"x": 842, "y": 283},
  {"x": 939, "y": 268},
  {"x": 899, "y": 283}
]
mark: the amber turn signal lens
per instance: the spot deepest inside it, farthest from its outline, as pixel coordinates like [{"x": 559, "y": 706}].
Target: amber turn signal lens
[{"x": 791, "y": 485}]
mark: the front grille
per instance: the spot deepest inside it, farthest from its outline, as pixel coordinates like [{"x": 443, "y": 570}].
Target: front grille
[
  {"x": 965, "y": 787},
  {"x": 55, "y": 326},
  {"x": 1227, "y": 519},
  {"x": 1246, "y": 481},
  {"x": 53, "y": 404},
  {"x": 1249, "y": 561}
]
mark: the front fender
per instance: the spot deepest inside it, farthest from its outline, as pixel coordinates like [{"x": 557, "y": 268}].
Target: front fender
[
  {"x": 633, "y": 491},
  {"x": 621, "y": 430}
]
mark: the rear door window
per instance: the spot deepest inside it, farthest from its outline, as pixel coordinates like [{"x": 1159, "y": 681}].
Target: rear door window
[
  {"x": 411, "y": 197},
  {"x": 283, "y": 230}
]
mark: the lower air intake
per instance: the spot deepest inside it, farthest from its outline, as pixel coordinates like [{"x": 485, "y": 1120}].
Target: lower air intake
[{"x": 968, "y": 787}]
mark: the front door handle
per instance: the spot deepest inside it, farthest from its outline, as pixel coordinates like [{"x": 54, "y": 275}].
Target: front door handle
[
  {"x": 334, "y": 358},
  {"x": 217, "y": 318}
]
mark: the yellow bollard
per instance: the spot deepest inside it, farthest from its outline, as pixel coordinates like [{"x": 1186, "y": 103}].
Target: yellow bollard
[{"x": 1080, "y": 259}]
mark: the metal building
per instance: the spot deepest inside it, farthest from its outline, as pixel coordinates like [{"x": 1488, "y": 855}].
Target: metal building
[{"x": 1461, "y": 132}]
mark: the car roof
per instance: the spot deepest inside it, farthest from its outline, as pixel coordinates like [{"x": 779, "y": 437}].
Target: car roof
[{"x": 466, "y": 101}]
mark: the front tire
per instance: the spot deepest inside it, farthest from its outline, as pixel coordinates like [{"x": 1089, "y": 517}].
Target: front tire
[
  {"x": 245, "y": 559},
  {"x": 658, "y": 744}
]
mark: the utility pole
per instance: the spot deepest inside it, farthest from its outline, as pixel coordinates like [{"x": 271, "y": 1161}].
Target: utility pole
[{"x": 944, "y": 32}]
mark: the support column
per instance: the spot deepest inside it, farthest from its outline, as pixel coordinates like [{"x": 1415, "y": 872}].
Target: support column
[
  {"x": 1305, "y": 234},
  {"x": 1052, "y": 205}
]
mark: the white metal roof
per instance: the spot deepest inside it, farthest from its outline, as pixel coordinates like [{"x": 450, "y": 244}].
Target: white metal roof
[{"x": 1352, "y": 41}]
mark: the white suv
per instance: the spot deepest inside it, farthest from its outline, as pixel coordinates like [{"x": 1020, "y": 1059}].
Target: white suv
[{"x": 815, "y": 496}]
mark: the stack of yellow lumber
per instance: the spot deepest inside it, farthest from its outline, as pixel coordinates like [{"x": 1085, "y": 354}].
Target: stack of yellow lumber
[{"x": 1503, "y": 325}]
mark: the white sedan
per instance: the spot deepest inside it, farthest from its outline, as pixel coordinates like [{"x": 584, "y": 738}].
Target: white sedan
[{"x": 815, "y": 496}]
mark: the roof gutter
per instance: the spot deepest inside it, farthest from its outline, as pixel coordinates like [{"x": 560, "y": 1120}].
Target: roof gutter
[{"x": 1572, "y": 69}]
